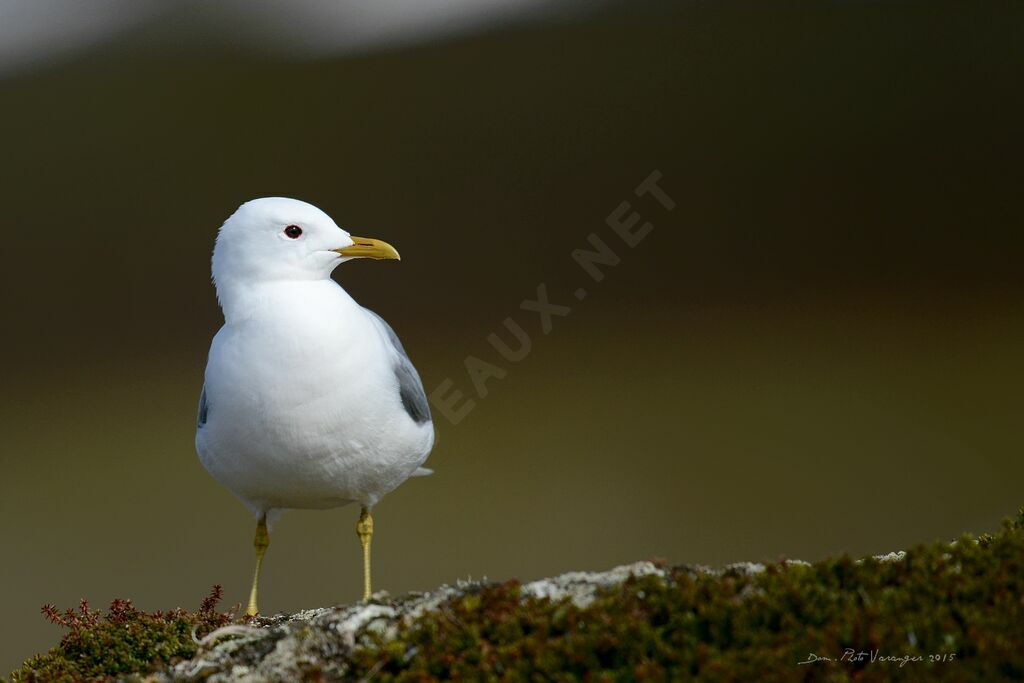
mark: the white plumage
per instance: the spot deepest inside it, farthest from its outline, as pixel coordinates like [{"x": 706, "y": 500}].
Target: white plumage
[{"x": 309, "y": 399}]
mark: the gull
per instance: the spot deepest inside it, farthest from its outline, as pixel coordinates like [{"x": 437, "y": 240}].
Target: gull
[{"x": 309, "y": 400}]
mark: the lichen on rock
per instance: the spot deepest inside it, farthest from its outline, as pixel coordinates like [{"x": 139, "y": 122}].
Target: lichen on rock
[{"x": 938, "y": 611}]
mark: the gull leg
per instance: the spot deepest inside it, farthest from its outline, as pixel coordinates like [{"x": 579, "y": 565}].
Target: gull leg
[
  {"x": 364, "y": 529},
  {"x": 260, "y": 543}
]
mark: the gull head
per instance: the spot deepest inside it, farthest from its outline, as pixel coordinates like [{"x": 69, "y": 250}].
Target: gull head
[{"x": 275, "y": 238}]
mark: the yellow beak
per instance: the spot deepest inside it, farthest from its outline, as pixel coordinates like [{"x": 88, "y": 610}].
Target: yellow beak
[{"x": 367, "y": 247}]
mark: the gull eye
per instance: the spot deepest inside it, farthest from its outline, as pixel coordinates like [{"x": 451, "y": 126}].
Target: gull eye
[{"x": 293, "y": 231}]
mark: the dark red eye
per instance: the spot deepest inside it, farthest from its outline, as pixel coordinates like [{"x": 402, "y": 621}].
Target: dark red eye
[{"x": 293, "y": 231}]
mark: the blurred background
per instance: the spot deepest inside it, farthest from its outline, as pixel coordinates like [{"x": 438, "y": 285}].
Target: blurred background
[{"x": 820, "y": 350}]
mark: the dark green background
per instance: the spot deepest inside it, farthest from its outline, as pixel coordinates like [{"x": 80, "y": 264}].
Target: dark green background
[{"x": 819, "y": 350}]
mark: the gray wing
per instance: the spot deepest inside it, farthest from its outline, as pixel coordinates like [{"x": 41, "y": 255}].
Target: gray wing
[
  {"x": 204, "y": 409},
  {"x": 410, "y": 387}
]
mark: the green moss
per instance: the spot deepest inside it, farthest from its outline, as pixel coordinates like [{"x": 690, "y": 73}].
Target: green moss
[
  {"x": 125, "y": 640},
  {"x": 961, "y": 602},
  {"x": 955, "y": 611}
]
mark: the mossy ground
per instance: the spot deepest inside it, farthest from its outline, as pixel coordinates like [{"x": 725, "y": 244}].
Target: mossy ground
[
  {"x": 123, "y": 641},
  {"x": 943, "y": 612}
]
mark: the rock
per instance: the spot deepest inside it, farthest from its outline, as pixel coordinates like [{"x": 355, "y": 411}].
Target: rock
[
  {"x": 938, "y": 611},
  {"x": 285, "y": 647}
]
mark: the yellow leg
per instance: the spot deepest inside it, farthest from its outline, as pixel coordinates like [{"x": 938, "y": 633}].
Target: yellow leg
[
  {"x": 260, "y": 543},
  {"x": 364, "y": 529}
]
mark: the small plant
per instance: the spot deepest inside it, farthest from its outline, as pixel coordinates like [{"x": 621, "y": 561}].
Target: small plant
[{"x": 125, "y": 640}]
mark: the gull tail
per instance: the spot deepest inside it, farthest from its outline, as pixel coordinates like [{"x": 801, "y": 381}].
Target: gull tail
[{"x": 422, "y": 472}]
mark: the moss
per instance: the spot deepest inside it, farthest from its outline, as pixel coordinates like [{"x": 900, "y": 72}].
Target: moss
[
  {"x": 125, "y": 640},
  {"x": 950, "y": 612},
  {"x": 956, "y": 607}
]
